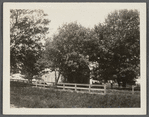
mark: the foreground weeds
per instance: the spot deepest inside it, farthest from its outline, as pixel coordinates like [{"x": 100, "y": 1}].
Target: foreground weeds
[{"x": 30, "y": 97}]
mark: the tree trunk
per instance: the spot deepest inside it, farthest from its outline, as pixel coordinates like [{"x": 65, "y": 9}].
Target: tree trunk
[
  {"x": 124, "y": 84},
  {"x": 55, "y": 75},
  {"x": 111, "y": 85},
  {"x": 30, "y": 77},
  {"x": 56, "y": 80},
  {"x": 30, "y": 80}
]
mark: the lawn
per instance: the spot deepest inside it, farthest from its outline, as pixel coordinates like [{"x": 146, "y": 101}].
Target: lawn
[{"x": 31, "y": 97}]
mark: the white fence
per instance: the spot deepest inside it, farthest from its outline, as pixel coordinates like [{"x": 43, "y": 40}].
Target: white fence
[
  {"x": 88, "y": 87},
  {"x": 43, "y": 84},
  {"x": 73, "y": 86},
  {"x": 19, "y": 80}
]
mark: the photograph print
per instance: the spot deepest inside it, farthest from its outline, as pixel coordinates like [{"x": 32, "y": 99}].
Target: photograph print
[{"x": 79, "y": 56}]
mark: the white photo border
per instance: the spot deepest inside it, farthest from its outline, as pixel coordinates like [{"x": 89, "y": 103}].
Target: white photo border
[{"x": 68, "y": 111}]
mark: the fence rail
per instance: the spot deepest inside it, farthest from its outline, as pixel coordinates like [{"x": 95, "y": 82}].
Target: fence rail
[
  {"x": 18, "y": 80},
  {"x": 44, "y": 84},
  {"x": 88, "y": 87},
  {"x": 76, "y": 87}
]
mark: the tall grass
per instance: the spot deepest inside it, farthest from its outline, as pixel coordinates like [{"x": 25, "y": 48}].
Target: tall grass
[{"x": 30, "y": 97}]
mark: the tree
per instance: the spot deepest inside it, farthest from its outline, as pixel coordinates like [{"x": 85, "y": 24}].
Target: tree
[
  {"x": 66, "y": 53},
  {"x": 27, "y": 30},
  {"x": 120, "y": 55}
]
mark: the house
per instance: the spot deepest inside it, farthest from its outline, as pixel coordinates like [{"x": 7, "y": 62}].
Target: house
[{"x": 49, "y": 77}]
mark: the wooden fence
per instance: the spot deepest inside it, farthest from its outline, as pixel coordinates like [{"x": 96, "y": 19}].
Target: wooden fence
[
  {"x": 77, "y": 87},
  {"x": 18, "y": 80},
  {"x": 133, "y": 89},
  {"x": 43, "y": 84}
]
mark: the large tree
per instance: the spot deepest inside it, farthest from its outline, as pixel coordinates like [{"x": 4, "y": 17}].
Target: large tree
[
  {"x": 66, "y": 53},
  {"x": 27, "y": 30},
  {"x": 119, "y": 57},
  {"x": 114, "y": 45}
]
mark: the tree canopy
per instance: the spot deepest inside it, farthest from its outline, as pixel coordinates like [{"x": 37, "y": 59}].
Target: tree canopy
[
  {"x": 66, "y": 53},
  {"x": 121, "y": 46},
  {"x": 114, "y": 45},
  {"x": 27, "y": 30}
]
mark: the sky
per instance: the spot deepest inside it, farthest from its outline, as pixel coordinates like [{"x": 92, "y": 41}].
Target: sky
[{"x": 86, "y": 14}]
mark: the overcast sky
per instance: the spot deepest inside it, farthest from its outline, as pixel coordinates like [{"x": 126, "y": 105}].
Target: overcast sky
[{"x": 87, "y": 14}]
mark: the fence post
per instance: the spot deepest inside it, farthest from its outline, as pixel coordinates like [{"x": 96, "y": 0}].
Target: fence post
[
  {"x": 105, "y": 89},
  {"x": 133, "y": 89},
  {"x": 75, "y": 87},
  {"x": 64, "y": 86},
  {"x": 36, "y": 83},
  {"x": 44, "y": 84},
  {"x": 89, "y": 87}
]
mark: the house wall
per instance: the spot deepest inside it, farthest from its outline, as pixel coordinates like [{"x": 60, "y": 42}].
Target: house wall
[{"x": 50, "y": 77}]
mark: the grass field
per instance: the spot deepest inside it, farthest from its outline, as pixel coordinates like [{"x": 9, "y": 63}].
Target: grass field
[{"x": 29, "y": 97}]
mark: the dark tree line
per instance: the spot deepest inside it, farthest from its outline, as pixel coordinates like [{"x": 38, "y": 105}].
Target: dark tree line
[{"x": 114, "y": 45}]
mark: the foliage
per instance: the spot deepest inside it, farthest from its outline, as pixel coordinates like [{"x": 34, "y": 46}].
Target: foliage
[
  {"x": 120, "y": 52},
  {"x": 114, "y": 45},
  {"x": 66, "y": 53},
  {"x": 27, "y": 30}
]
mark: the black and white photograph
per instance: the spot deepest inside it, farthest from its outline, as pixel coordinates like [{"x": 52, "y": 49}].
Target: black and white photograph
[{"x": 74, "y": 58}]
